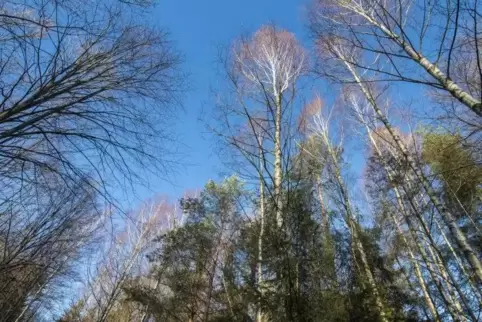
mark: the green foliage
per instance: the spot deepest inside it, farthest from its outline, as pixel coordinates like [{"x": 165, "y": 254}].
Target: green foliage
[
  {"x": 309, "y": 162},
  {"x": 301, "y": 265},
  {"x": 455, "y": 162},
  {"x": 187, "y": 262}
]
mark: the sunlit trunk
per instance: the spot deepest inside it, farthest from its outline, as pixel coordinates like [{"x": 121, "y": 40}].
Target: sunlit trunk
[
  {"x": 260, "y": 314},
  {"x": 451, "y": 302},
  {"x": 432, "y": 69},
  {"x": 446, "y": 215},
  {"x": 324, "y": 215},
  {"x": 356, "y": 242},
  {"x": 413, "y": 260},
  {"x": 278, "y": 171}
]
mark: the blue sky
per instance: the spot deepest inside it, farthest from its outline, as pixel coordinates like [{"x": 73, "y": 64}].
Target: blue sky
[{"x": 198, "y": 28}]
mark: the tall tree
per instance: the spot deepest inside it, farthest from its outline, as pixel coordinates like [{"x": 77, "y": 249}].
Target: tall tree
[
  {"x": 270, "y": 64},
  {"x": 440, "y": 40},
  {"x": 320, "y": 127},
  {"x": 337, "y": 49},
  {"x": 83, "y": 92},
  {"x": 192, "y": 263},
  {"x": 40, "y": 241}
]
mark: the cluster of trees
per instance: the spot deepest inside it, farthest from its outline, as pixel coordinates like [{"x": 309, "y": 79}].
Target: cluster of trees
[
  {"x": 84, "y": 87},
  {"x": 361, "y": 206}
]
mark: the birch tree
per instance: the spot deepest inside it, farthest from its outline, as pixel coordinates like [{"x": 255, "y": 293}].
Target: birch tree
[
  {"x": 335, "y": 47},
  {"x": 124, "y": 259},
  {"x": 439, "y": 42},
  {"x": 320, "y": 127},
  {"x": 262, "y": 72},
  {"x": 387, "y": 156},
  {"x": 269, "y": 65}
]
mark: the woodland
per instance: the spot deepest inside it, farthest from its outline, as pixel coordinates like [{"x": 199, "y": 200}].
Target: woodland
[{"x": 357, "y": 205}]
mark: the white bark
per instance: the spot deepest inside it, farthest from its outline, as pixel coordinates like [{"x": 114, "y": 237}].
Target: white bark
[
  {"x": 451, "y": 300},
  {"x": 278, "y": 170},
  {"x": 260, "y": 314},
  {"x": 369, "y": 12},
  {"x": 418, "y": 273},
  {"x": 446, "y": 215},
  {"x": 321, "y": 129},
  {"x": 125, "y": 256},
  {"x": 270, "y": 65}
]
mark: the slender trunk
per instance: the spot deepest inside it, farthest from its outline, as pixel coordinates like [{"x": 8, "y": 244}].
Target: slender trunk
[
  {"x": 446, "y": 298},
  {"x": 211, "y": 274},
  {"x": 35, "y": 297},
  {"x": 366, "y": 268},
  {"x": 421, "y": 281},
  {"x": 278, "y": 172},
  {"x": 448, "y": 284},
  {"x": 415, "y": 291},
  {"x": 228, "y": 296},
  {"x": 457, "y": 310},
  {"x": 114, "y": 294},
  {"x": 350, "y": 218},
  {"x": 437, "y": 259},
  {"x": 413, "y": 260},
  {"x": 260, "y": 314},
  {"x": 449, "y": 301},
  {"x": 324, "y": 216},
  {"x": 446, "y": 215},
  {"x": 470, "y": 278},
  {"x": 418, "y": 272},
  {"x": 453, "y": 88}
]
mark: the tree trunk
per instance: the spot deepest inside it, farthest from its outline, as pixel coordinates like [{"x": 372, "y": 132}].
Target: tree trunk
[
  {"x": 413, "y": 260},
  {"x": 350, "y": 219},
  {"x": 456, "y": 309},
  {"x": 455, "y": 90},
  {"x": 324, "y": 216},
  {"x": 278, "y": 171},
  {"x": 446, "y": 215},
  {"x": 260, "y": 314},
  {"x": 366, "y": 268},
  {"x": 418, "y": 272}
]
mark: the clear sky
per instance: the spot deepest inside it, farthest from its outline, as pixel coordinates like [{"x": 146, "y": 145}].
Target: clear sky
[{"x": 198, "y": 28}]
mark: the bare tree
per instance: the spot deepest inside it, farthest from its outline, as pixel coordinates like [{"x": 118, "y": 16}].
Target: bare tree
[
  {"x": 83, "y": 91},
  {"x": 411, "y": 203},
  {"x": 312, "y": 152},
  {"x": 124, "y": 258},
  {"x": 385, "y": 153},
  {"x": 335, "y": 48},
  {"x": 434, "y": 43},
  {"x": 320, "y": 127},
  {"x": 256, "y": 120},
  {"x": 268, "y": 66},
  {"x": 41, "y": 240}
]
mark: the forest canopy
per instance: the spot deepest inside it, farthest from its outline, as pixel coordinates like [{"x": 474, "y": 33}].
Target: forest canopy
[{"x": 351, "y": 185}]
